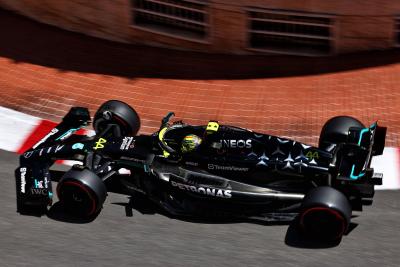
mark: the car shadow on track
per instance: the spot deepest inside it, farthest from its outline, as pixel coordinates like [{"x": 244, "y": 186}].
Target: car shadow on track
[
  {"x": 293, "y": 237},
  {"x": 58, "y": 213},
  {"x": 146, "y": 206}
]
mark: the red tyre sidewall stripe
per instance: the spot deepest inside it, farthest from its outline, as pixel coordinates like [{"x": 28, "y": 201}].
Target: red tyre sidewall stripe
[
  {"x": 334, "y": 212},
  {"x": 81, "y": 186},
  {"x": 121, "y": 120}
]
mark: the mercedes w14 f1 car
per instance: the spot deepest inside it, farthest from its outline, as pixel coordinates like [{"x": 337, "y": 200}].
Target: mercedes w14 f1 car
[{"x": 208, "y": 169}]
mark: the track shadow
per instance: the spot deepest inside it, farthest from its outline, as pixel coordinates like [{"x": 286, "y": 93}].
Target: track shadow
[
  {"x": 24, "y": 40},
  {"x": 140, "y": 204},
  {"x": 147, "y": 207},
  {"x": 33, "y": 212},
  {"x": 58, "y": 213},
  {"x": 295, "y": 238}
]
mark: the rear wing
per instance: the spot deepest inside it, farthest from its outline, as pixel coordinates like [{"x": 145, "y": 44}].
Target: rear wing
[
  {"x": 354, "y": 156},
  {"x": 74, "y": 120}
]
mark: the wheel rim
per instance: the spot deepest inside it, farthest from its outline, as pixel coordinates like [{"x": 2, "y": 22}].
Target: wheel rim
[
  {"x": 323, "y": 223},
  {"x": 77, "y": 198},
  {"x": 124, "y": 127}
]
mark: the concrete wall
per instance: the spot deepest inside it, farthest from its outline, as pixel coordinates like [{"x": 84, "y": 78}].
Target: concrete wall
[{"x": 359, "y": 25}]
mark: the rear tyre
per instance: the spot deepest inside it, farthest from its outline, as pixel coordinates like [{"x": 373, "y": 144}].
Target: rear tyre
[
  {"x": 336, "y": 130},
  {"x": 118, "y": 113},
  {"x": 325, "y": 214},
  {"x": 81, "y": 192}
]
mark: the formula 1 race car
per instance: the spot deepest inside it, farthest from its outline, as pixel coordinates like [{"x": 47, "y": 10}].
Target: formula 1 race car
[{"x": 206, "y": 170}]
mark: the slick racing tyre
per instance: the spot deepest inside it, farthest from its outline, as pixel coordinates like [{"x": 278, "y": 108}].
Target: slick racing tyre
[
  {"x": 325, "y": 214},
  {"x": 336, "y": 130},
  {"x": 119, "y": 113},
  {"x": 81, "y": 192}
]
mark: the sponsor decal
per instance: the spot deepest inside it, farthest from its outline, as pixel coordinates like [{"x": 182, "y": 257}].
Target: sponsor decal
[
  {"x": 208, "y": 191},
  {"x": 39, "y": 191},
  {"x": 312, "y": 155},
  {"x": 38, "y": 184},
  {"x": 43, "y": 150},
  {"x": 28, "y": 154},
  {"x": 226, "y": 168},
  {"x": 23, "y": 179},
  {"x": 191, "y": 163},
  {"x": 236, "y": 143},
  {"x": 46, "y": 150},
  {"x": 67, "y": 133},
  {"x": 46, "y": 182},
  {"x": 134, "y": 159},
  {"x": 52, "y": 132},
  {"x": 305, "y": 146},
  {"x": 58, "y": 148},
  {"x": 100, "y": 143},
  {"x": 127, "y": 143},
  {"x": 78, "y": 146},
  {"x": 282, "y": 141}
]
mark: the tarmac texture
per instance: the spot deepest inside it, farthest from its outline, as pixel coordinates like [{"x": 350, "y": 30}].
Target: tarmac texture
[
  {"x": 118, "y": 238},
  {"x": 44, "y": 71}
]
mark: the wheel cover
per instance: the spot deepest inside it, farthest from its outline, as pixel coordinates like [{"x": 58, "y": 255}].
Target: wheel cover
[
  {"x": 77, "y": 197},
  {"x": 102, "y": 123}
]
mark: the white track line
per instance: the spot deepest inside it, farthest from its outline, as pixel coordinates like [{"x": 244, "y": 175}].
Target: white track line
[
  {"x": 15, "y": 128},
  {"x": 389, "y": 165}
]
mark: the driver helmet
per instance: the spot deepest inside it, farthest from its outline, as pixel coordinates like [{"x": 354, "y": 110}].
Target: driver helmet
[{"x": 190, "y": 143}]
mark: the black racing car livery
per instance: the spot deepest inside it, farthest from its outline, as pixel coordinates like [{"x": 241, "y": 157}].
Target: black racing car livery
[{"x": 205, "y": 170}]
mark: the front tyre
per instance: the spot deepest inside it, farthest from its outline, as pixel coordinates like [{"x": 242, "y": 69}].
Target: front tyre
[
  {"x": 81, "y": 192},
  {"x": 325, "y": 214},
  {"x": 117, "y": 113}
]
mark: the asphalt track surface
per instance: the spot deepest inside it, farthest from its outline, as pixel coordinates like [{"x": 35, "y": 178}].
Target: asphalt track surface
[{"x": 121, "y": 239}]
